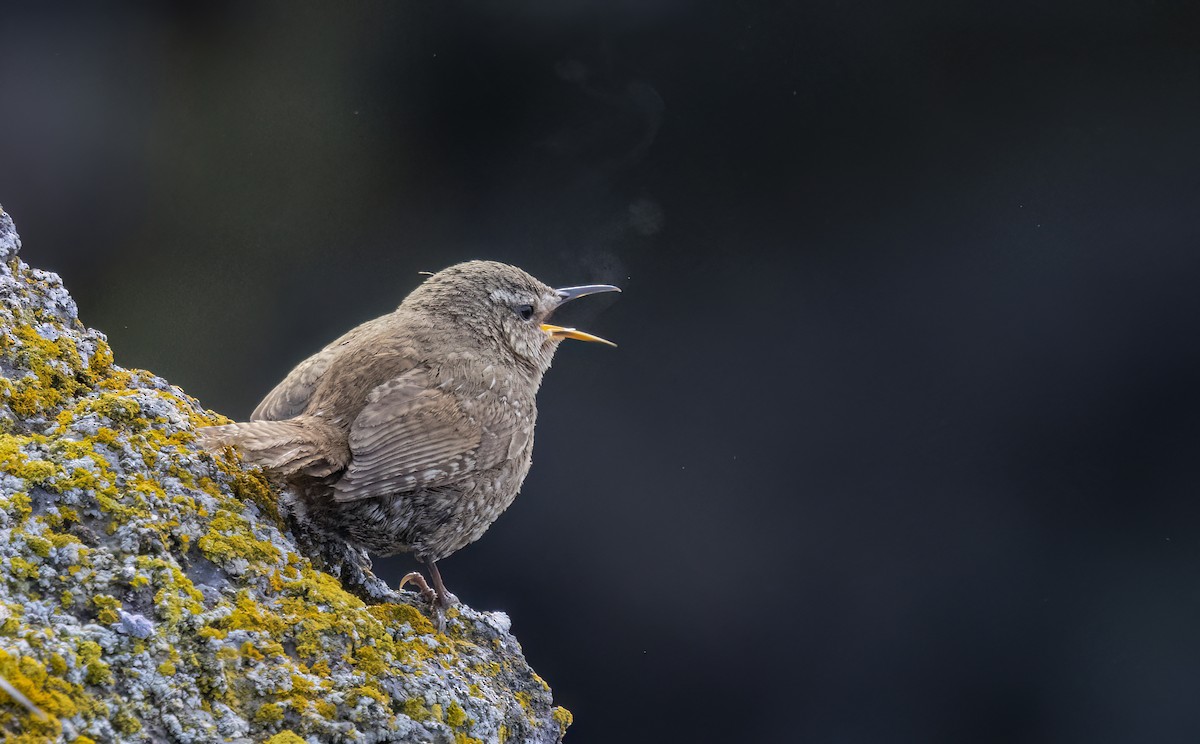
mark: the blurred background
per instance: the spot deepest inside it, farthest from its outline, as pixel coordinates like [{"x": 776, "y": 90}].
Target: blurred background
[{"x": 900, "y": 442}]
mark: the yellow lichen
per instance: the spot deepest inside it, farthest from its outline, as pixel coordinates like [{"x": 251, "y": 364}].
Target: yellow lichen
[
  {"x": 22, "y": 569},
  {"x": 56, "y": 371},
  {"x": 370, "y": 690},
  {"x": 368, "y": 661},
  {"x": 325, "y": 708},
  {"x": 525, "y": 700},
  {"x": 106, "y": 608},
  {"x": 126, "y": 722},
  {"x": 48, "y": 691},
  {"x": 39, "y": 545},
  {"x": 455, "y": 715},
  {"x": 250, "y": 615},
  {"x": 301, "y": 684},
  {"x": 285, "y": 737},
  {"x": 229, "y": 536},
  {"x": 98, "y": 673},
  {"x": 394, "y": 615},
  {"x": 57, "y": 665},
  {"x": 18, "y": 506},
  {"x": 562, "y": 717},
  {"x": 321, "y": 668},
  {"x": 248, "y": 651},
  {"x": 268, "y": 713},
  {"x": 14, "y": 460},
  {"x": 415, "y": 709},
  {"x": 10, "y": 625},
  {"x": 252, "y": 486}
]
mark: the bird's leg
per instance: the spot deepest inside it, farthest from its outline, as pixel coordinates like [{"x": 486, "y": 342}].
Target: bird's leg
[
  {"x": 437, "y": 594},
  {"x": 438, "y": 597},
  {"x": 445, "y": 598},
  {"x": 415, "y": 577}
]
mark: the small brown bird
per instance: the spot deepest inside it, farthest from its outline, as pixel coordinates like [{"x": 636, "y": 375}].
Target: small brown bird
[{"x": 414, "y": 431}]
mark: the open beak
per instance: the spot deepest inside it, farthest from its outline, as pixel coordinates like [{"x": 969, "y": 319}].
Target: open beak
[
  {"x": 573, "y": 293},
  {"x": 560, "y": 332}
]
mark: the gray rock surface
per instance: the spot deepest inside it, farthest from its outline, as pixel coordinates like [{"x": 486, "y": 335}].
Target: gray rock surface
[{"x": 150, "y": 592}]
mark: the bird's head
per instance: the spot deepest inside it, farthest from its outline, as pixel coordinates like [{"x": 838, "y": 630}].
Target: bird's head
[{"x": 502, "y": 308}]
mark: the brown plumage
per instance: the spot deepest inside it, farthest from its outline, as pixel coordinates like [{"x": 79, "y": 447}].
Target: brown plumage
[{"x": 414, "y": 431}]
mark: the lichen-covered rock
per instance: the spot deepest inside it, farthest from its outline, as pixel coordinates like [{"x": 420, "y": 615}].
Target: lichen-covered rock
[{"x": 150, "y": 592}]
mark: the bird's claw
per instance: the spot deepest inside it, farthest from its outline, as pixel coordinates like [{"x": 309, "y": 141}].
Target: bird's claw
[
  {"x": 438, "y": 603},
  {"x": 426, "y": 591}
]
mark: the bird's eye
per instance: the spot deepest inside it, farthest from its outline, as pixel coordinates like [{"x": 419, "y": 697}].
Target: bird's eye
[{"x": 525, "y": 311}]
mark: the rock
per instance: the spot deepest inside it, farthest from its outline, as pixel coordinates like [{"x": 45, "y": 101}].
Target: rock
[{"x": 150, "y": 592}]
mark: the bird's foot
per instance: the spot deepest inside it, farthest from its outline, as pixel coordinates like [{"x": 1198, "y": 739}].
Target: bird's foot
[
  {"x": 439, "y": 599},
  {"x": 442, "y": 602},
  {"x": 422, "y": 586}
]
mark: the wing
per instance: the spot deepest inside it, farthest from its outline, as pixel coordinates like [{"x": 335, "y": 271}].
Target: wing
[
  {"x": 409, "y": 436},
  {"x": 291, "y": 397}
]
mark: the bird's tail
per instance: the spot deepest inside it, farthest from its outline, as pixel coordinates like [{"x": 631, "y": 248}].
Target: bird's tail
[{"x": 298, "y": 446}]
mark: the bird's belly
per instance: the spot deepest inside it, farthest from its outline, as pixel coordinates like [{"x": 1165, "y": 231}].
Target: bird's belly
[{"x": 432, "y": 523}]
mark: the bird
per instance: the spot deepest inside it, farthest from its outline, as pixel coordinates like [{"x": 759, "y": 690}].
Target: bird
[{"x": 413, "y": 432}]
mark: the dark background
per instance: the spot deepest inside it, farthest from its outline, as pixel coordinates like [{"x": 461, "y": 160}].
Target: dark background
[{"x": 900, "y": 443}]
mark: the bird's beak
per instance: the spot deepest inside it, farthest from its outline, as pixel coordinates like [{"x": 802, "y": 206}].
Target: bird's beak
[
  {"x": 573, "y": 293},
  {"x": 560, "y": 332}
]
